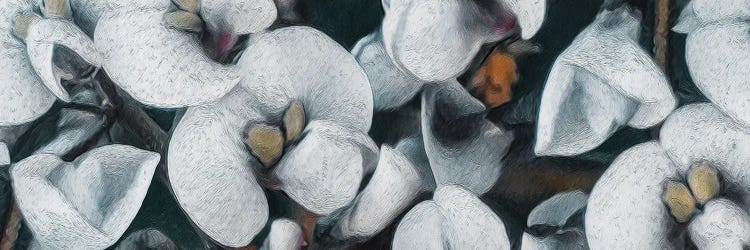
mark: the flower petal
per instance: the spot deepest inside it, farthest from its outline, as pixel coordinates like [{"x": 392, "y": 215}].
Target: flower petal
[
  {"x": 323, "y": 171},
  {"x": 4, "y": 154},
  {"x": 10, "y": 134},
  {"x": 708, "y": 11},
  {"x": 722, "y": 225},
  {"x": 391, "y": 87},
  {"x": 700, "y": 133},
  {"x": 434, "y": 39},
  {"x": 303, "y": 63},
  {"x": 43, "y": 36},
  {"x": 413, "y": 150},
  {"x": 159, "y": 66},
  {"x": 456, "y": 219},
  {"x": 24, "y": 96},
  {"x": 602, "y": 82},
  {"x": 87, "y": 13},
  {"x": 557, "y": 210},
  {"x": 86, "y": 203},
  {"x": 147, "y": 239},
  {"x": 393, "y": 187},
  {"x": 242, "y": 16},
  {"x": 530, "y": 15},
  {"x": 718, "y": 59},
  {"x": 688, "y": 21},
  {"x": 211, "y": 171},
  {"x": 463, "y": 148},
  {"x": 625, "y": 209},
  {"x": 285, "y": 235}
]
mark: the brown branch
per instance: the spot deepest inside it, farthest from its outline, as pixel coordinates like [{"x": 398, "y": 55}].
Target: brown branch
[
  {"x": 661, "y": 35},
  {"x": 13, "y": 223}
]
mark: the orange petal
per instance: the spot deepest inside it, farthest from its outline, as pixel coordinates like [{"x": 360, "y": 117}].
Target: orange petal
[{"x": 492, "y": 82}]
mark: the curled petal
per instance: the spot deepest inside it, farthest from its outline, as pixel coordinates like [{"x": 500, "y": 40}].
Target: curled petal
[
  {"x": 285, "y": 235},
  {"x": 625, "y": 209},
  {"x": 700, "y": 133},
  {"x": 324, "y": 170},
  {"x": 43, "y": 36},
  {"x": 393, "y": 187},
  {"x": 722, "y": 225},
  {"x": 391, "y": 87},
  {"x": 238, "y": 16},
  {"x": 301, "y": 63},
  {"x": 463, "y": 148},
  {"x": 718, "y": 59},
  {"x": 557, "y": 210},
  {"x": 24, "y": 96},
  {"x": 211, "y": 172},
  {"x": 147, "y": 239},
  {"x": 455, "y": 219},
  {"x": 157, "y": 65},
  {"x": 530, "y": 15},
  {"x": 602, "y": 82},
  {"x": 87, "y": 203},
  {"x": 436, "y": 40}
]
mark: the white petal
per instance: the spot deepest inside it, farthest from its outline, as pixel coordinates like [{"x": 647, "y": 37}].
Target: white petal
[
  {"x": 159, "y": 66},
  {"x": 530, "y": 15},
  {"x": 24, "y": 97},
  {"x": 87, "y": 203},
  {"x": 569, "y": 240},
  {"x": 393, "y": 187},
  {"x": 323, "y": 171},
  {"x": 43, "y": 36},
  {"x": 721, "y": 10},
  {"x": 474, "y": 160},
  {"x": 625, "y": 208},
  {"x": 413, "y": 150},
  {"x": 303, "y": 63},
  {"x": 421, "y": 228},
  {"x": 688, "y": 21},
  {"x": 700, "y": 133},
  {"x": 285, "y": 235},
  {"x": 718, "y": 58},
  {"x": 602, "y": 82},
  {"x": 4, "y": 154},
  {"x": 242, "y": 16},
  {"x": 147, "y": 239},
  {"x": 391, "y": 87},
  {"x": 556, "y": 210},
  {"x": 721, "y": 225},
  {"x": 87, "y": 13},
  {"x": 73, "y": 128},
  {"x": 435, "y": 39},
  {"x": 211, "y": 171},
  {"x": 469, "y": 222}
]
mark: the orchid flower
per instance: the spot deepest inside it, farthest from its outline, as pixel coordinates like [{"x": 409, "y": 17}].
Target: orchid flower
[
  {"x": 299, "y": 117},
  {"x": 463, "y": 147},
  {"x": 87, "y": 203},
  {"x": 602, "y": 82},
  {"x": 717, "y": 52},
  {"x": 454, "y": 219},
  {"x": 30, "y": 80},
  {"x": 693, "y": 181},
  {"x": 436, "y": 40},
  {"x": 285, "y": 235},
  {"x": 554, "y": 223},
  {"x": 152, "y": 48}
]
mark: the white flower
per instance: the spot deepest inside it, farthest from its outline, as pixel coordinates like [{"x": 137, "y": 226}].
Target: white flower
[
  {"x": 454, "y": 219},
  {"x": 84, "y": 204},
  {"x": 167, "y": 67},
  {"x": 436, "y": 40},
  {"x": 717, "y": 52},
  {"x": 602, "y": 82},
  {"x": 626, "y": 208},
  {"x": 29, "y": 81},
  {"x": 326, "y": 152}
]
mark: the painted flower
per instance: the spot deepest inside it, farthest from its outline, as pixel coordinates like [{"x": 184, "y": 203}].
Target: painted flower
[
  {"x": 30, "y": 81},
  {"x": 693, "y": 182},
  {"x": 297, "y": 121},
  {"x": 454, "y": 219},
  {"x": 717, "y": 54},
  {"x": 436, "y": 40},
  {"x": 557, "y": 223},
  {"x": 84, "y": 204},
  {"x": 152, "y": 48},
  {"x": 602, "y": 82}
]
